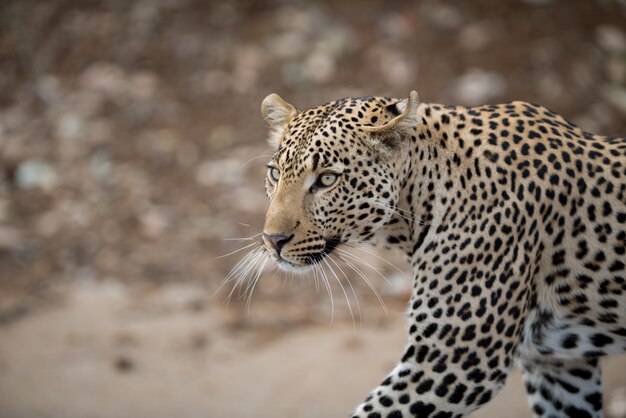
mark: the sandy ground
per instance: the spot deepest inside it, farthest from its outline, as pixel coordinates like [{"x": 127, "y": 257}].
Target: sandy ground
[{"x": 107, "y": 351}]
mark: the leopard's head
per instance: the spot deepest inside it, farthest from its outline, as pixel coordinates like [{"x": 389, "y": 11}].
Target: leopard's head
[{"x": 334, "y": 176}]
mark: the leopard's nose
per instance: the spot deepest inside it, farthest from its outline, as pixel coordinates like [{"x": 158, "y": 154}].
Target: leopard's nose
[{"x": 277, "y": 240}]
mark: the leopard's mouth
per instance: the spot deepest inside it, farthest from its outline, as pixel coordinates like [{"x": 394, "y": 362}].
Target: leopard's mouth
[
  {"x": 329, "y": 245},
  {"x": 309, "y": 260}
]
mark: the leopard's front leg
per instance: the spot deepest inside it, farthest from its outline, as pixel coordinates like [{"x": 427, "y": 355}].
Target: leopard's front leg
[{"x": 466, "y": 317}]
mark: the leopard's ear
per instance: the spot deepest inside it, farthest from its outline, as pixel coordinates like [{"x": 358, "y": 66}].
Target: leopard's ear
[
  {"x": 387, "y": 138},
  {"x": 277, "y": 112},
  {"x": 407, "y": 116}
]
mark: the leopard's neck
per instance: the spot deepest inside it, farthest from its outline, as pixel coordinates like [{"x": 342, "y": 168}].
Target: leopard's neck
[{"x": 431, "y": 160}]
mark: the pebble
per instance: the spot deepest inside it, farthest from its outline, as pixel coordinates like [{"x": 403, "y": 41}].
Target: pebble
[
  {"x": 215, "y": 172},
  {"x": 442, "y": 15},
  {"x": 288, "y": 45},
  {"x": 222, "y": 136},
  {"x": 154, "y": 223},
  {"x": 143, "y": 85},
  {"x": 105, "y": 78},
  {"x": 123, "y": 364},
  {"x": 34, "y": 173},
  {"x": 215, "y": 82},
  {"x": 100, "y": 165},
  {"x": 10, "y": 237},
  {"x": 475, "y": 36},
  {"x": 611, "y": 39},
  {"x": 294, "y": 74},
  {"x": 320, "y": 67},
  {"x": 478, "y": 86},
  {"x": 616, "y": 69},
  {"x": 616, "y": 95},
  {"x": 70, "y": 126}
]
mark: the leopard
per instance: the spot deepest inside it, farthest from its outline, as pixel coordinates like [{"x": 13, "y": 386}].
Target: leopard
[{"x": 512, "y": 219}]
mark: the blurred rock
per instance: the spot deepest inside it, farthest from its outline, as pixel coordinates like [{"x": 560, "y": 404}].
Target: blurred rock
[
  {"x": 10, "y": 237},
  {"x": 216, "y": 82},
  {"x": 320, "y": 67},
  {"x": 187, "y": 155},
  {"x": 69, "y": 126},
  {"x": 611, "y": 38},
  {"x": 549, "y": 85},
  {"x": 583, "y": 74},
  {"x": 396, "y": 26},
  {"x": 303, "y": 18},
  {"x": 215, "y": 172},
  {"x": 249, "y": 61},
  {"x": 153, "y": 223},
  {"x": 443, "y": 16},
  {"x": 143, "y": 85},
  {"x": 160, "y": 145},
  {"x": 74, "y": 213},
  {"x": 222, "y": 136},
  {"x": 36, "y": 174},
  {"x": 596, "y": 118},
  {"x": 287, "y": 45},
  {"x": 475, "y": 36},
  {"x": 616, "y": 69},
  {"x": 100, "y": 165},
  {"x": 48, "y": 224},
  {"x": 616, "y": 96},
  {"x": 477, "y": 86},
  {"x": 337, "y": 41},
  {"x": 396, "y": 69},
  {"x": 105, "y": 78},
  {"x": 48, "y": 88},
  {"x": 545, "y": 54},
  {"x": 294, "y": 75},
  {"x": 224, "y": 14}
]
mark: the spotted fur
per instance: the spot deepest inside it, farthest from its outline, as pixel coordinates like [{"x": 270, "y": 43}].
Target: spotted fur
[{"x": 513, "y": 219}]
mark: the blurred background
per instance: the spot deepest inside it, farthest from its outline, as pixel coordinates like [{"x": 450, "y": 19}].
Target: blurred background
[{"x": 132, "y": 155}]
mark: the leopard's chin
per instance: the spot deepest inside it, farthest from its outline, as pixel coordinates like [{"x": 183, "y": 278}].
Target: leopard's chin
[{"x": 292, "y": 267}]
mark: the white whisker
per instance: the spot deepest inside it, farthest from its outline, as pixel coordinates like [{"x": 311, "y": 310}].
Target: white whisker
[
  {"x": 255, "y": 280},
  {"x": 244, "y": 271},
  {"x": 342, "y": 289},
  {"x": 236, "y": 268},
  {"x": 254, "y": 158},
  {"x": 353, "y": 267},
  {"x": 243, "y": 238},
  {"x": 316, "y": 278},
  {"x": 356, "y": 298},
  {"x": 355, "y": 258},
  {"x": 378, "y": 257},
  {"x": 410, "y": 216},
  {"x": 326, "y": 283},
  {"x": 236, "y": 251}
]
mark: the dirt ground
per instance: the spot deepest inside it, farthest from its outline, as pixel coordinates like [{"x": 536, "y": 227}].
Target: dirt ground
[
  {"x": 108, "y": 351},
  {"x": 132, "y": 154}
]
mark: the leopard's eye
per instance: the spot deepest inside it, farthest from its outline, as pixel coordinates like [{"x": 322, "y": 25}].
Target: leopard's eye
[
  {"x": 274, "y": 174},
  {"x": 327, "y": 179}
]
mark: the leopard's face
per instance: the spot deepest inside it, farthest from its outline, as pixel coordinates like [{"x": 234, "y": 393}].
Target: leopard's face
[{"x": 331, "y": 179}]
